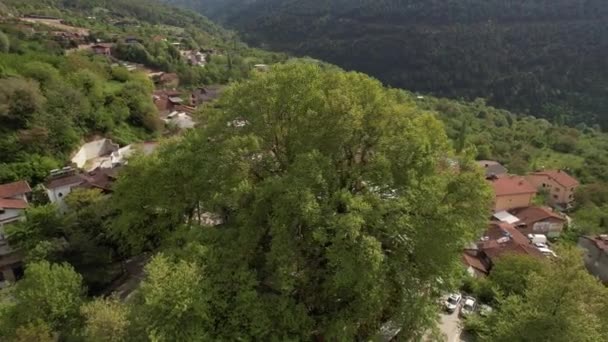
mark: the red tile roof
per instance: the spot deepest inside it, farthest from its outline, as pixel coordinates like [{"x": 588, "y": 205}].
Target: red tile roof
[
  {"x": 504, "y": 239},
  {"x": 14, "y": 189},
  {"x": 531, "y": 215},
  {"x": 12, "y": 203},
  {"x": 512, "y": 185},
  {"x": 63, "y": 181},
  {"x": 561, "y": 177},
  {"x": 471, "y": 259}
]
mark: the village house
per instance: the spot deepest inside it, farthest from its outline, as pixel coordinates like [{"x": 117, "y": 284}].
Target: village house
[
  {"x": 62, "y": 182},
  {"x": 99, "y": 172},
  {"x": 499, "y": 239},
  {"x": 596, "y": 255},
  {"x": 539, "y": 220},
  {"x": 97, "y": 153},
  {"x": 511, "y": 192},
  {"x": 492, "y": 168},
  {"x": 102, "y": 49},
  {"x": 13, "y": 203},
  {"x": 166, "y": 100},
  {"x": 558, "y": 184}
]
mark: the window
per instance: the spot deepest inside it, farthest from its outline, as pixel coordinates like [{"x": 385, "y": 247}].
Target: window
[
  {"x": 60, "y": 194},
  {"x": 556, "y": 189},
  {"x": 554, "y": 196}
]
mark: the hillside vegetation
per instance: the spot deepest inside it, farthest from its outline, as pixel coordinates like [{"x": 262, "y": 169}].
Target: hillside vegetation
[
  {"x": 540, "y": 57},
  {"x": 53, "y": 97}
]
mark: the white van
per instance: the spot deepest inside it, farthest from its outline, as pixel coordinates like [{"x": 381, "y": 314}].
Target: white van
[{"x": 537, "y": 238}]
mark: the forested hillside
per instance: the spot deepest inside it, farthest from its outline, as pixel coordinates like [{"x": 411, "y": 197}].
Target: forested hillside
[
  {"x": 539, "y": 57},
  {"x": 55, "y": 95}
]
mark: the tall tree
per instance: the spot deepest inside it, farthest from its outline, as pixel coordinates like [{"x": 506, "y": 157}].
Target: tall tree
[
  {"x": 342, "y": 206},
  {"x": 106, "y": 320},
  {"x": 49, "y": 297},
  {"x": 562, "y": 302}
]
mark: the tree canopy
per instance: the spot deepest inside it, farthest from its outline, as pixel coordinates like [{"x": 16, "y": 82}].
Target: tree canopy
[{"x": 316, "y": 174}]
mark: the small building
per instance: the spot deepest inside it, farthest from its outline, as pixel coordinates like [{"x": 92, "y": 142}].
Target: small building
[
  {"x": 492, "y": 168},
  {"x": 61, "y": 182},
  {"x": 596, "y": 255},
  {"x": 166, "y": 100},
  {"x": 500, "y": 239},
  {"x": 102, "y": 49},
  {"x": 557, "y": 183},
  {"x": 13, "y": 203},
  {"x": 511, "y": 192},
  {"x": 539, "y": 220},
  {"x": 94, "y": 154}
]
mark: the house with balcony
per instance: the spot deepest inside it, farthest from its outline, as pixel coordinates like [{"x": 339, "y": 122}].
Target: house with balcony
[{"x": 558, "y": 184}]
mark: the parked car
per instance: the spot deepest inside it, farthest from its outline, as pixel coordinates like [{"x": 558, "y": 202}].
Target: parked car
[
  {"x": 537, "y": 238},
  {"x": 540, "y": 245},
  {"x": 451, "y": 304},
  {"x": 468, "y": 306}
]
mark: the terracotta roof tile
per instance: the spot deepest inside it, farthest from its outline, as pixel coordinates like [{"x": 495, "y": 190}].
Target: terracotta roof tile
[
  {"x": 531, "y": 215},
  {"x": 506, "y": 239},
  {"x": 14, "y": 189},
  {"x": 63, "y": 181},
  {"x": 474, "y": 261},
  {"x": 511, "y": 185},
  {"x": 561, "y": 177},
  {"x": 13, "y": 203}
]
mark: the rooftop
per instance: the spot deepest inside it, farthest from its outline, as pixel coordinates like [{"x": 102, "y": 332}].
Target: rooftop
[
  {"x": 503, "y": 238},
  {"x": 531, "y": 215},
  {"x": 492, "y": 167},
  {"x": 14, "y": 189},
  {"x": 560, "y": 176},
  {"x": 6, "y": 203},
  {"x": 511, "y": 185}
]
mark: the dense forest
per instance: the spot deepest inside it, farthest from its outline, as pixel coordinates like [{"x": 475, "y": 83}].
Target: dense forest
[{"x": 544, "y": 58}]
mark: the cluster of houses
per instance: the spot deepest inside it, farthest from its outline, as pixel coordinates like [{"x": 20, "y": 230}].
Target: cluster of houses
[
  {"x": 95, "y": 165},
  {"x": 176, "y": 107},
  {"x": 519, "y": 226}
]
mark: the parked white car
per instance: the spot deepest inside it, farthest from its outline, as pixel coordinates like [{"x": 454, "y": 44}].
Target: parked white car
[
  {"x": 468, "y": 307},
  {"x": 537, "y": 238},
  {"x": 540, "y": 245},
  {"x": 451, "y": 304}
]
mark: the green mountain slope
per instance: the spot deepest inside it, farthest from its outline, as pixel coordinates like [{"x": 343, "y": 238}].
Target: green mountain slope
[
  {"x": 541, "y": 57},
  {"x": 55, "y": 93}
]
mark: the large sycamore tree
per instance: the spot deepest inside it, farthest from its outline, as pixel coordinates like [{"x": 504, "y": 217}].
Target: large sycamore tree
[{"x": 343, "y": 206}]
